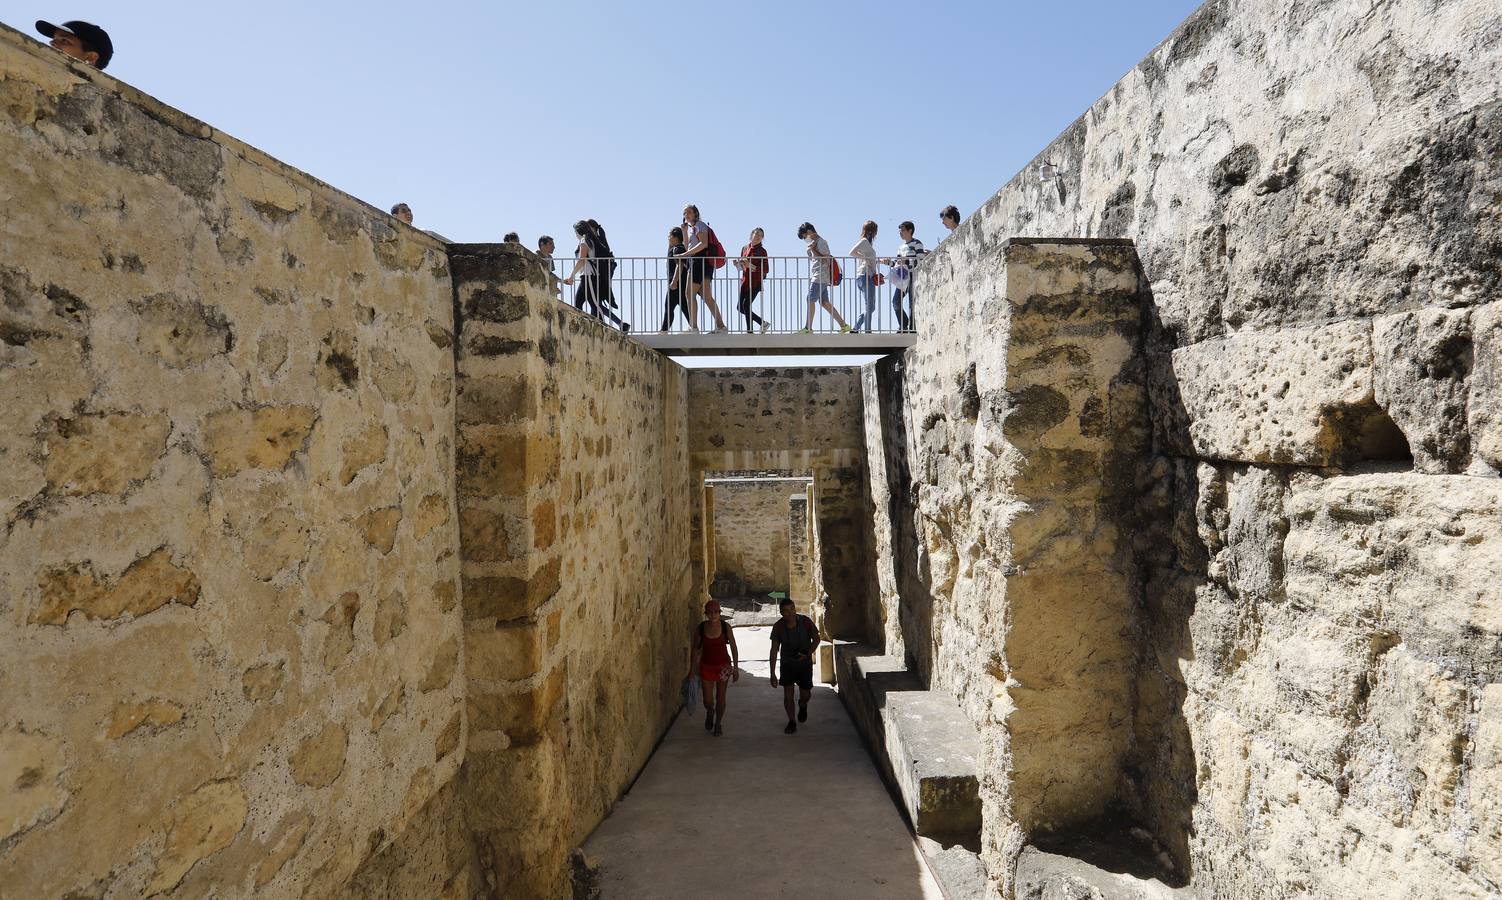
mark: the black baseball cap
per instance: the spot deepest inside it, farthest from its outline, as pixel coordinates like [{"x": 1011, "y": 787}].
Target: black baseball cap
[{"x": 92, "y": 36}]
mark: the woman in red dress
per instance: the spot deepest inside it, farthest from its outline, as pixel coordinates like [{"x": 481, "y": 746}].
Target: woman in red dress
[{"x": 717, "y": 660}]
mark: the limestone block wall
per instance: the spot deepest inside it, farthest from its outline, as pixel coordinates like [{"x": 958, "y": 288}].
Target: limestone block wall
[
  {"x": 1026, "y": 421},
  {"x": 1311, "y": 189},
  {"x": 751, "y": 531},
  {"x": 806, "y": 421},
  {"x": 574, "y": 500},
  {"x": 229, "y": 619}
]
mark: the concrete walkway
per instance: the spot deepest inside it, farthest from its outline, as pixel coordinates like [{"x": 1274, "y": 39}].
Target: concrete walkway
[{"x": 758, "y": 813}]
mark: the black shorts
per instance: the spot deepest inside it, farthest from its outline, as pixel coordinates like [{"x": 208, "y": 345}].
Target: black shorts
[
  {"x": 799, "y": 673},
  {"x": 699, "y": 269}
]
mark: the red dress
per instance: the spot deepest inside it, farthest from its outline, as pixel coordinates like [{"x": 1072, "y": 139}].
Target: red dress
[{"x": 714, "y": 659}]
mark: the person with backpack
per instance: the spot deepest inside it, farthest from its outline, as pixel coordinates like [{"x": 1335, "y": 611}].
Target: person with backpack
[
  {"x": 908, "y": 253},
  {"x": 794, "y": 639},
  {"x": 592, "y": 268},
  {"x": 753, "y": 264},
  {"x": 823, "y": 271},
  {"x": 704, "y": 255},
  {"x": 866, "y": 275},
  {"x": 717, "y": 661},
  {"x": 677, "y": 281}
]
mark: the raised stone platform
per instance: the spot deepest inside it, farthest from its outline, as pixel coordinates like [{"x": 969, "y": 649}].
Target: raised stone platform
[{"x": 928, "y": 751}]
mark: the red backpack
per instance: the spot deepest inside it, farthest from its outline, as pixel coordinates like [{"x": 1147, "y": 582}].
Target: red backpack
[
  {"x": 716, "y": 249},
  {"x": 834, "y": 272}
]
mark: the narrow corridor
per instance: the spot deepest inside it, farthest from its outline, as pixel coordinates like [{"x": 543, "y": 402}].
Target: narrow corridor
[{"x": 758, "y": 813}]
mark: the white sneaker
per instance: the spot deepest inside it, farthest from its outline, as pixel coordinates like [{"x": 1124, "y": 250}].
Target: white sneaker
[
  {"x": 765, "y": 326},
  {"x": 720, "y": 329}
]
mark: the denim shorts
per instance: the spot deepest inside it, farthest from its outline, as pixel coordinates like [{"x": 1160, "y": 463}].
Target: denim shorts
[{"x": 817, "y": 292}]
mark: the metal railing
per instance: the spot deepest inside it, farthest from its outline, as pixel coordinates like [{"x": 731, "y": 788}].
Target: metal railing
[{"x": 638, "y": 292}]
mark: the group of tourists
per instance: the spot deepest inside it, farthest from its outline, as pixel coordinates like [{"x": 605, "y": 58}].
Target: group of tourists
[
  {"x": 716, "y": 659},
  {"x": 694, "y": 252}
]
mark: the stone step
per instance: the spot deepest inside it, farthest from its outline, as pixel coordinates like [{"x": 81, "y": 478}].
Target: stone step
[
  {"x": 924, "y": 745},
  {"x": 1051, "y": 876},
  {"x": 959, "y": 871}
]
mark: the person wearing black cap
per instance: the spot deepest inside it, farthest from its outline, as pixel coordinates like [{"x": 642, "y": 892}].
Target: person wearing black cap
[{"x": 81, "y": 40}]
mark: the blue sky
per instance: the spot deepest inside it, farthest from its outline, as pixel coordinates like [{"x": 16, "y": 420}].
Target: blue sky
[{"x": 499, "y": 117}]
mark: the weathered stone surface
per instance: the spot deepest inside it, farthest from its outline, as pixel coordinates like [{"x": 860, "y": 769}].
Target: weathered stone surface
[
  {"x": 103, "y": 454},
  {"x": 151, "y": 714},
  {"x": 361, "y": 450},
  {"x": 378, "y": 526},
  {"x": 390, "y": 620},
  {"x": 448, "y": 738},
  {"x": 185, "y": 350},
  {"x": 30, "y": 768},
  {"x": 284, "y": 844},
  {"x": 262, "y": 681},
  {"x": 1485, "y": 401},
  {"x": 506, "y": 597},
  {"x": 147, "y": 585},
  {"x": 1423, "y": 360},
  {"x": 278, "y": 541},
  {"x": 1290, "y": 397},
  {"x": 521, "y": 714},
  {"x": 432, "y": 511},
  {"x": 507, "y": 652},
  {"x": 181, "y": 333},
  {"x": 265, "y": 438},
  {"x": 320, "y": 757},
  {"x": 202, "y": 824},
  {"x": 441, "y": 668}
]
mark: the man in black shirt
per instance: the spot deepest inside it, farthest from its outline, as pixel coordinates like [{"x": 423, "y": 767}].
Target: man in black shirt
[{"x": 795, "y": 637}]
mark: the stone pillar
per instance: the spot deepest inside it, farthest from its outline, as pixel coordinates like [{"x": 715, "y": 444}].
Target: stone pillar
[
  {"x": 707, "y": 539},
  {"x": 507, "y": 486},
  {"x": 800, "y": 559},
  {"x": 1027, "y": 423}
]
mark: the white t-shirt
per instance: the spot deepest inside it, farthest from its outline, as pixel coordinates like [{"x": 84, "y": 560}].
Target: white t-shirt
[
  {"x": 588, "y": 268},
  {"x": 865, "y": 256},
  {"x": 693, "y": 234},
  {"x": 818, "y": 254}
]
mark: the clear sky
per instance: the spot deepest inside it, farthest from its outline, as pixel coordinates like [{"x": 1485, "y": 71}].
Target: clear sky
[{"x": 525, "y": 117}]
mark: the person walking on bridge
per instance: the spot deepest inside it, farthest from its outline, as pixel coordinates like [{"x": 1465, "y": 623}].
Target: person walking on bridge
[
  {"x": 820, "y": 276},
  {"x": 717, "y": 661},
  {"x": 592, "y": 269},
  {"x": 677, "y": 297},
  {"x": 794, "y": 638},
  {"x": 753, "y": 266},
  {"x": 908, "y": 253},
  {"x": 696, "y": 235},
  {"x": 866, "y": 274}
]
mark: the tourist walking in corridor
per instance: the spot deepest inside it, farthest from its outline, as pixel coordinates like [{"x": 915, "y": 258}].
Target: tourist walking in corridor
[
  {"x": 794, "y": 638},
  {"x": 592, "y": 271},
  {"x": 698, "y": 238},
  {"x": 866, "y": 275},
  {"x": 717, "y": 661},
  {"x": 908, "y": 254},
  {"x": 677, "y": 297},
  {"x": 753, "y": 265},
  {"x": 821, "y": 267}
]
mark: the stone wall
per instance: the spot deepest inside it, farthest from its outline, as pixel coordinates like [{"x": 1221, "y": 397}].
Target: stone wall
[
  {"x": 1025, "y": 421},
  {"x": 801, "y": 421},
  {"x": 228, "y": 580},
  {"x": 751, "y": 530},
  {"x": 1311, "y": 189},
  {"x": 574, "y": 498}
]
